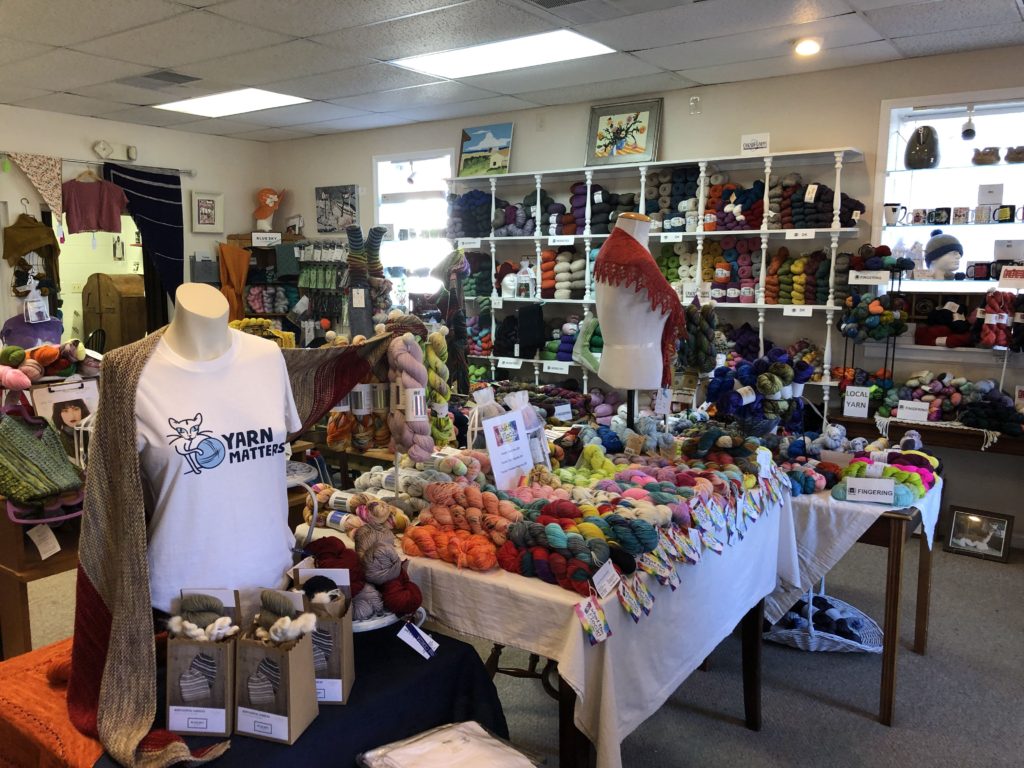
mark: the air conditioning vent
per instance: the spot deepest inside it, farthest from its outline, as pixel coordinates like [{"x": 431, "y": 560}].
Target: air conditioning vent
[
  {"x": 549, "y": 4},
  {"x": 162, "y": 78}
]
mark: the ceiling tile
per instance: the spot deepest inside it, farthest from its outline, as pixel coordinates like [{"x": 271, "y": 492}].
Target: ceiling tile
[
  {"x": 962, "y": 40},
  {"x": 710, "y": 19},
  {"x": 272, "y": 134},
  {"x": 10, "y": 93},
  {"x": 296, "y": 58},
  {"x": 64, "y": 22},
  {"x": 645, "y": 6},
  {"x": 150, "y": 116},
  {"x": 870, "y": 5},
  {"x": 836, "y": 32},
  {"x": 943, "y": 16},
  {"x": 352, "y": 82},
  {"x": 564, "y": 74},
  {"x": 188, "y": 37},
  {"x": 465, "y": 109},
  {"x": 314, "y": 17},
  {"x": 613, "y": 89},
  {"x": 481, "y": 21},
  {"x": 436, "y": 93},
  {"x": 15, "y": 50},
  {"x": 314, "y": 111},
  {"x": 70, "y": 104},
  {"x": 220, "y": 126},
  {"x": 587, "y": 11},
  {"x": 851, "y": 56},
  {"x": 130, "y": 94},
  {"x": 64, "y": 70},
  {"x": 373, "y": 120}
]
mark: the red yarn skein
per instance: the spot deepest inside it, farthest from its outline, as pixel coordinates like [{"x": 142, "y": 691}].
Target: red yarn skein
[{"x": 331, "y": 552}]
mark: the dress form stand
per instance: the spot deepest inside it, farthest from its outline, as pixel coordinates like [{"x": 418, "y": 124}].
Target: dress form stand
[{"x": 199, "y": 329}]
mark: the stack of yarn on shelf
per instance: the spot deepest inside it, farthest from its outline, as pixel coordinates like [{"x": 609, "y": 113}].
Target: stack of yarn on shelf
[
  {"x": 763, "y": 393},
  {"x": 697, "y": 350},
  {"x": 563, "y": 340},
  {"x": 869, "y": 317},
  {"x": 993, "y": 323},
  {"x": 945, "y": 326},
  {"x": 548, "y": 276},
  {"x": 469, "y": 215},
  {"x": 810, "y": 206},
  {"x": 512, "y": 220},
  {"x": 671, "y": 193},
  {"x": 271, "y": 299},
  {"x": 479, "y": 342}
]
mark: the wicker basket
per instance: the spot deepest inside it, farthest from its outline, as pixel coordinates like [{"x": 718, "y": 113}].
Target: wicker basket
[
  {"x": 811, "y": 639},
  {"x": 757, "y": 426}
]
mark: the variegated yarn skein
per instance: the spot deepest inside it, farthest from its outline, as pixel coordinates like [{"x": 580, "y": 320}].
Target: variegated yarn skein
[
  {"x": 442, "y": 428},
  {"x": 405, "y": 364}
]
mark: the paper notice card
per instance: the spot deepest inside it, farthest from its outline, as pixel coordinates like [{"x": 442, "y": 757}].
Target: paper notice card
[{"x": 509, "y": 449}]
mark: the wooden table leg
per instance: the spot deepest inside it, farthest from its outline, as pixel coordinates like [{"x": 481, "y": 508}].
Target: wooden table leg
[
  {"x": 574, "y": 748},
  {"x": 891, "y": 627},
  {"x": 14, "y": 618},
  {"x": 751, "y": 633},
  {"x": 924, "y": 596}
]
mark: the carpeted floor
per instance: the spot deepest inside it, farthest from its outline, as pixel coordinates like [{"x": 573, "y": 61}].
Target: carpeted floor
[{"x": 961, "y": 705}]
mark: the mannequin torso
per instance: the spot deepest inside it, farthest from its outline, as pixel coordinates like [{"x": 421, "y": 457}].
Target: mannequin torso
[{"x": 199, "y": 330}]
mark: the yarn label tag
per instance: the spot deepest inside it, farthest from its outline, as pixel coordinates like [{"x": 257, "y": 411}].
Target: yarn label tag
[
  {"x": 663, "y": 401},
  {"x": 47, "y": 544},
  {"x": 606, "y": 579},
  {"x": 497, "y": 302},
  {"x": 810, "y": 193},
  {"x": 880, "y": 490},
  {"x": 358, "y": 298},
  {"x": 595, "y": 623},
  {"x": 555, "y": 366},
  {"x": 197, "y": 719},
  {"x": 563, "y": 412},
  {"x": 629, "y": 601},
  {"x": 912, "y": 410},
  {"x": 261, "y": 723},
  {"x": 510, "y": 362},
  {"x": 468, "y": 242},
  {"x": 644, "y": 593},
  {"x": 418, "y": 640},
  {"x": 344, "y": 405},
  {"x": 561, "y": 240},
  {"x": 416, "y": 404},
  {"x": 672, "y": 237},
  {"x": 855, "y": 401},
  {"x": 361, "y": 399},
  {"x": 869, "y": 277},
  {"x": 799, "y": 234},
  {"x": 796, "y": 310}
]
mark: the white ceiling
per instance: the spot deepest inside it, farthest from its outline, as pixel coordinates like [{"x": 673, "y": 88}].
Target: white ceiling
[{"x": 69, "y": 55}]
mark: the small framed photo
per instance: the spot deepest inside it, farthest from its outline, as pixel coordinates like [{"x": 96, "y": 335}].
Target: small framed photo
[
  {"x": 624, "y": 133},
  {"x": 208, "y": 212},
  {"x": 980, "y": 534}
]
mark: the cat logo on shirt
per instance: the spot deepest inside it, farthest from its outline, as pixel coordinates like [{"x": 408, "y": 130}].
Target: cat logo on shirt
[{"x": 201, "y": 448}]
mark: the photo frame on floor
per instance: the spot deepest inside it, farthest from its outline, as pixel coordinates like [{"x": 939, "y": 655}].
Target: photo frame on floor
[
  {"x": 981, "y": 534},
  {"x": 208, "y": 212},
  {"x": 627, "y": 132}
]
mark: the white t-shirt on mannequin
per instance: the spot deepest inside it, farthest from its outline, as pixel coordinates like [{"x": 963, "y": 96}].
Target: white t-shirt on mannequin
[{"x": 211, "y": 438}]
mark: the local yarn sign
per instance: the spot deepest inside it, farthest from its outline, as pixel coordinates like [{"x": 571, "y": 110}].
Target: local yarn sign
[
  {"x": 879, "y": 490},
  {"x": 855, "y": 401}
]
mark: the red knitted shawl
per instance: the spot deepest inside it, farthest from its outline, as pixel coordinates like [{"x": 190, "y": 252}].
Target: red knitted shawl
[{"x": 622, "y": 261}]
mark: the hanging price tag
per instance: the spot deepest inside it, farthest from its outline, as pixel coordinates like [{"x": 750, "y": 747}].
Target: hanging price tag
[
  {"x": 629, "y": 601},
  {"x": 497, "y": 302},
  {"x": 595, "y": 623},
  {"x": 555, "y": 366},
  {"x": 515, "y": 363},
  {"x": 662, "y": 401},
  {"x": 799, "y": 234},
  {"x": 358, "y": 298},
  {"x": 561, "y": 240},
  {"x": 672, "y": 237},
  {"x": 47, "y": 544},
  {"x": 796, "y": 310},
  {"x": 563, "y": 412},
  {"x": 416, "y": 404},
  {"x": 643, "y": 593},
  {"x": 605, "y": 579},
  {"x": 468, "y": 242}
]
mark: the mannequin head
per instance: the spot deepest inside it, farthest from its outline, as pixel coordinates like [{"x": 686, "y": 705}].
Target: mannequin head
[
  {"x": 199, "y": 329},
  {"x": 942, "y": 254}
]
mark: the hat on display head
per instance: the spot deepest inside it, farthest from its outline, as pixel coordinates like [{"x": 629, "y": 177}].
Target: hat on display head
[{"x": 940, "y": 245}]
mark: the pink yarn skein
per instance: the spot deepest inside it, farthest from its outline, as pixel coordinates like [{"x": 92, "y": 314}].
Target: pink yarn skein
[{"x": 405, "y": 367}]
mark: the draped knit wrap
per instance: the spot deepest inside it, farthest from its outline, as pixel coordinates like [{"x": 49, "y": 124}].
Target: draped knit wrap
[
  {"x": 112, "y": 685},
  {"x": 624, "y": 262}
]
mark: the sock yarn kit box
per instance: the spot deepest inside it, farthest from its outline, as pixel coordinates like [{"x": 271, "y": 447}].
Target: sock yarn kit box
[
  {"x": 334, "y": 661},
  {"x": 201, "y": 681},
  {"x": 275, "y": 687}
]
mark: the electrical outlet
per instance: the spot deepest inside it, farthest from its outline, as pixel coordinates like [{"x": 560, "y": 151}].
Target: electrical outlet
[{"x": 76, "y": 288}]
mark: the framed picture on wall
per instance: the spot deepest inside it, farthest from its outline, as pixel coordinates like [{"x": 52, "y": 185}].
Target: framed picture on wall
[
  {"x": 624, "y": 133},
  {"x": 337, "y": 207},
  {"x": 208, "y": 212},
  {"x": 980, "y": 534},
  {"x": 486, "y": 150}
]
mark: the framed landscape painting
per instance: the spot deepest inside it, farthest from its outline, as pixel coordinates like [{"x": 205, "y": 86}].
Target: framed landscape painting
[{"x": 486, "y": 150}]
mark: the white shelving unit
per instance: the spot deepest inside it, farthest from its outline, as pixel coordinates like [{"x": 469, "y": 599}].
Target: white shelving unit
[{"x": 761, "y": 168}]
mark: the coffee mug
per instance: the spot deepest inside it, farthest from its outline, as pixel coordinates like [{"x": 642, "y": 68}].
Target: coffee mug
[
  {"x": 961, "y": 215},
  {"x": 983, "y": 214},
  {"x": 996, "y": 268},
  {"x": 1006, "y": 214},
  {"x": 919, "y": 216},
  {"x": 938, "y": 215},
  {"x": 894, "y": 213},
  {"x": 978, "y": 270}
]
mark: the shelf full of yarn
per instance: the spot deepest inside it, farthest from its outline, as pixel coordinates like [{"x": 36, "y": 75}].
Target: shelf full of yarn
[
  {"x": 533, "y": 300},
  {"x": 948, "y": 286}
]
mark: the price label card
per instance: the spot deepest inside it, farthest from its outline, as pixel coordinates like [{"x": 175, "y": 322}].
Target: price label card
[
  {"x": 497, "y": 302},
  {"x": 912, "y": 410},
  {"x": 358, "y": 298},
  {"x": 796, "y": 310},
  {"x": 47, "y": 544},
  {"x": 425, "y": 645},
  {"x": 672, "y": 237},
  {"x": 555, "y": 366},
  {"x": 799, "y": 234},
  {"x": 563, "y": 412},
  {"x": 468, "y": 242},
  {"x": 810, "y": 193},
  {"x": 1011, "y": 277},
  {"x": 869, "y": 277},
  {"x": 855, "y": 401},
  {"x": 662, "y": 401},
  {"x": 606, "y": 579},
  {"x": 880, "y": 490},
  {"x": 690, "y": 291},
  {"x": 561, "y": 240},
  {"x": 595, "y": 623},
  {"x": 515, "y": 363}
]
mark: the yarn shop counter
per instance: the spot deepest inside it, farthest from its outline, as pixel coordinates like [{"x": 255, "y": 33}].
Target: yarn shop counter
[
  {"x": 621, "y": 682},
  {"x": 826, "y": 529}
]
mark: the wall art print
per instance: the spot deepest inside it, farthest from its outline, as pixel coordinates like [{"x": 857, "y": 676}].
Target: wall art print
[
  {"x": 337, "y": 207},
  {"x": 624, "y": 133},
  {"x": 486, "y": 150}
]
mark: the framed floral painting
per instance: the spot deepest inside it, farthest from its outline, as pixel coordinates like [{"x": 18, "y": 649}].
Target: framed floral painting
[{"x": 624, "y": 133}]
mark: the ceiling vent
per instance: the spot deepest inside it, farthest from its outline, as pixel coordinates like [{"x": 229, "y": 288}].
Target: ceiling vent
[
  {"x": 549, "y": 4},
  {"x": 162, "y": 78}
]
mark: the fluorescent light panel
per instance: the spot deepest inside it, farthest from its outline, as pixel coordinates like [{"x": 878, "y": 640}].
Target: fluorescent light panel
[
  {"x": 232, "y": 103},
  {"x": 520, "y": 52}
]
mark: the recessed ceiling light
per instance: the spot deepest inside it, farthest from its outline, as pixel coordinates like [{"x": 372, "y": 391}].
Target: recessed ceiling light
[
  {"x": 530, "y": 51},
  {"x": 232, "y": 103},
  {"x": 808, "y": 46}
]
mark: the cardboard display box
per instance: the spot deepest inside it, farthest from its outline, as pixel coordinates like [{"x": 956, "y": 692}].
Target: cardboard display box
[{"x": 334, "y": 635}]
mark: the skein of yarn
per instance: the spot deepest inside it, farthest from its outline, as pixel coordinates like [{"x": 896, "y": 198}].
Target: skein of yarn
[
  {"x": 405, "y": 363},
  {"x": 442, "y": 429}
]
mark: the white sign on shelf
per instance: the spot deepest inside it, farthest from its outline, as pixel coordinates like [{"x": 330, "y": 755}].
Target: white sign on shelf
[
  {"x": 563, "y": 412},
  {"x": 855, "y": 401},
  {"x": 990, "y": 194},
  {"x": 514, "y": 363},
  {"x": 509, "y": 448},
  {"x": 869, "y": 277},
  {"x": 799, "y": 234},
  {"x": 561, "y": 240},
  {"x": 796, "y": 310},
  {"x": 672, "y": 237},
  {"x": 497, "y": 302},
  {"x": 1011, "y": 277},
  {"x": 880, "y": 490},
  {"x": 754, "y": 144},
  {"x": 555, "y": 366},
  {"x": 468, "y": 242},
  {"x": 265, "y": 239},
  {"x": 912, "y": 410}
]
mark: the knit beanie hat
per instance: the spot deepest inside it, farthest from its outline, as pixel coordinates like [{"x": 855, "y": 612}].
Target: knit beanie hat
[{"x": 939, "y": 245}]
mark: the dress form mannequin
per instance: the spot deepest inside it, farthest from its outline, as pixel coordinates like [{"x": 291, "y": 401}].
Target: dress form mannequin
[
  {"x": 199, "y": 329},
  {"x": 632, "y": 354}
]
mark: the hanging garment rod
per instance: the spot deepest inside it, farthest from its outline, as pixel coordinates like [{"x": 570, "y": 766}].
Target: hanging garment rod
[{"x": 129, "y": 164}]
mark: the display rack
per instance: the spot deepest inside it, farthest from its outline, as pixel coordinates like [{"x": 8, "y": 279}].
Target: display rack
[{"x": 835, "y": 159}]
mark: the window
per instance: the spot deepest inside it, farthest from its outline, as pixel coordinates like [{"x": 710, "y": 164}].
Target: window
[{"x": 410, "y": 194}]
